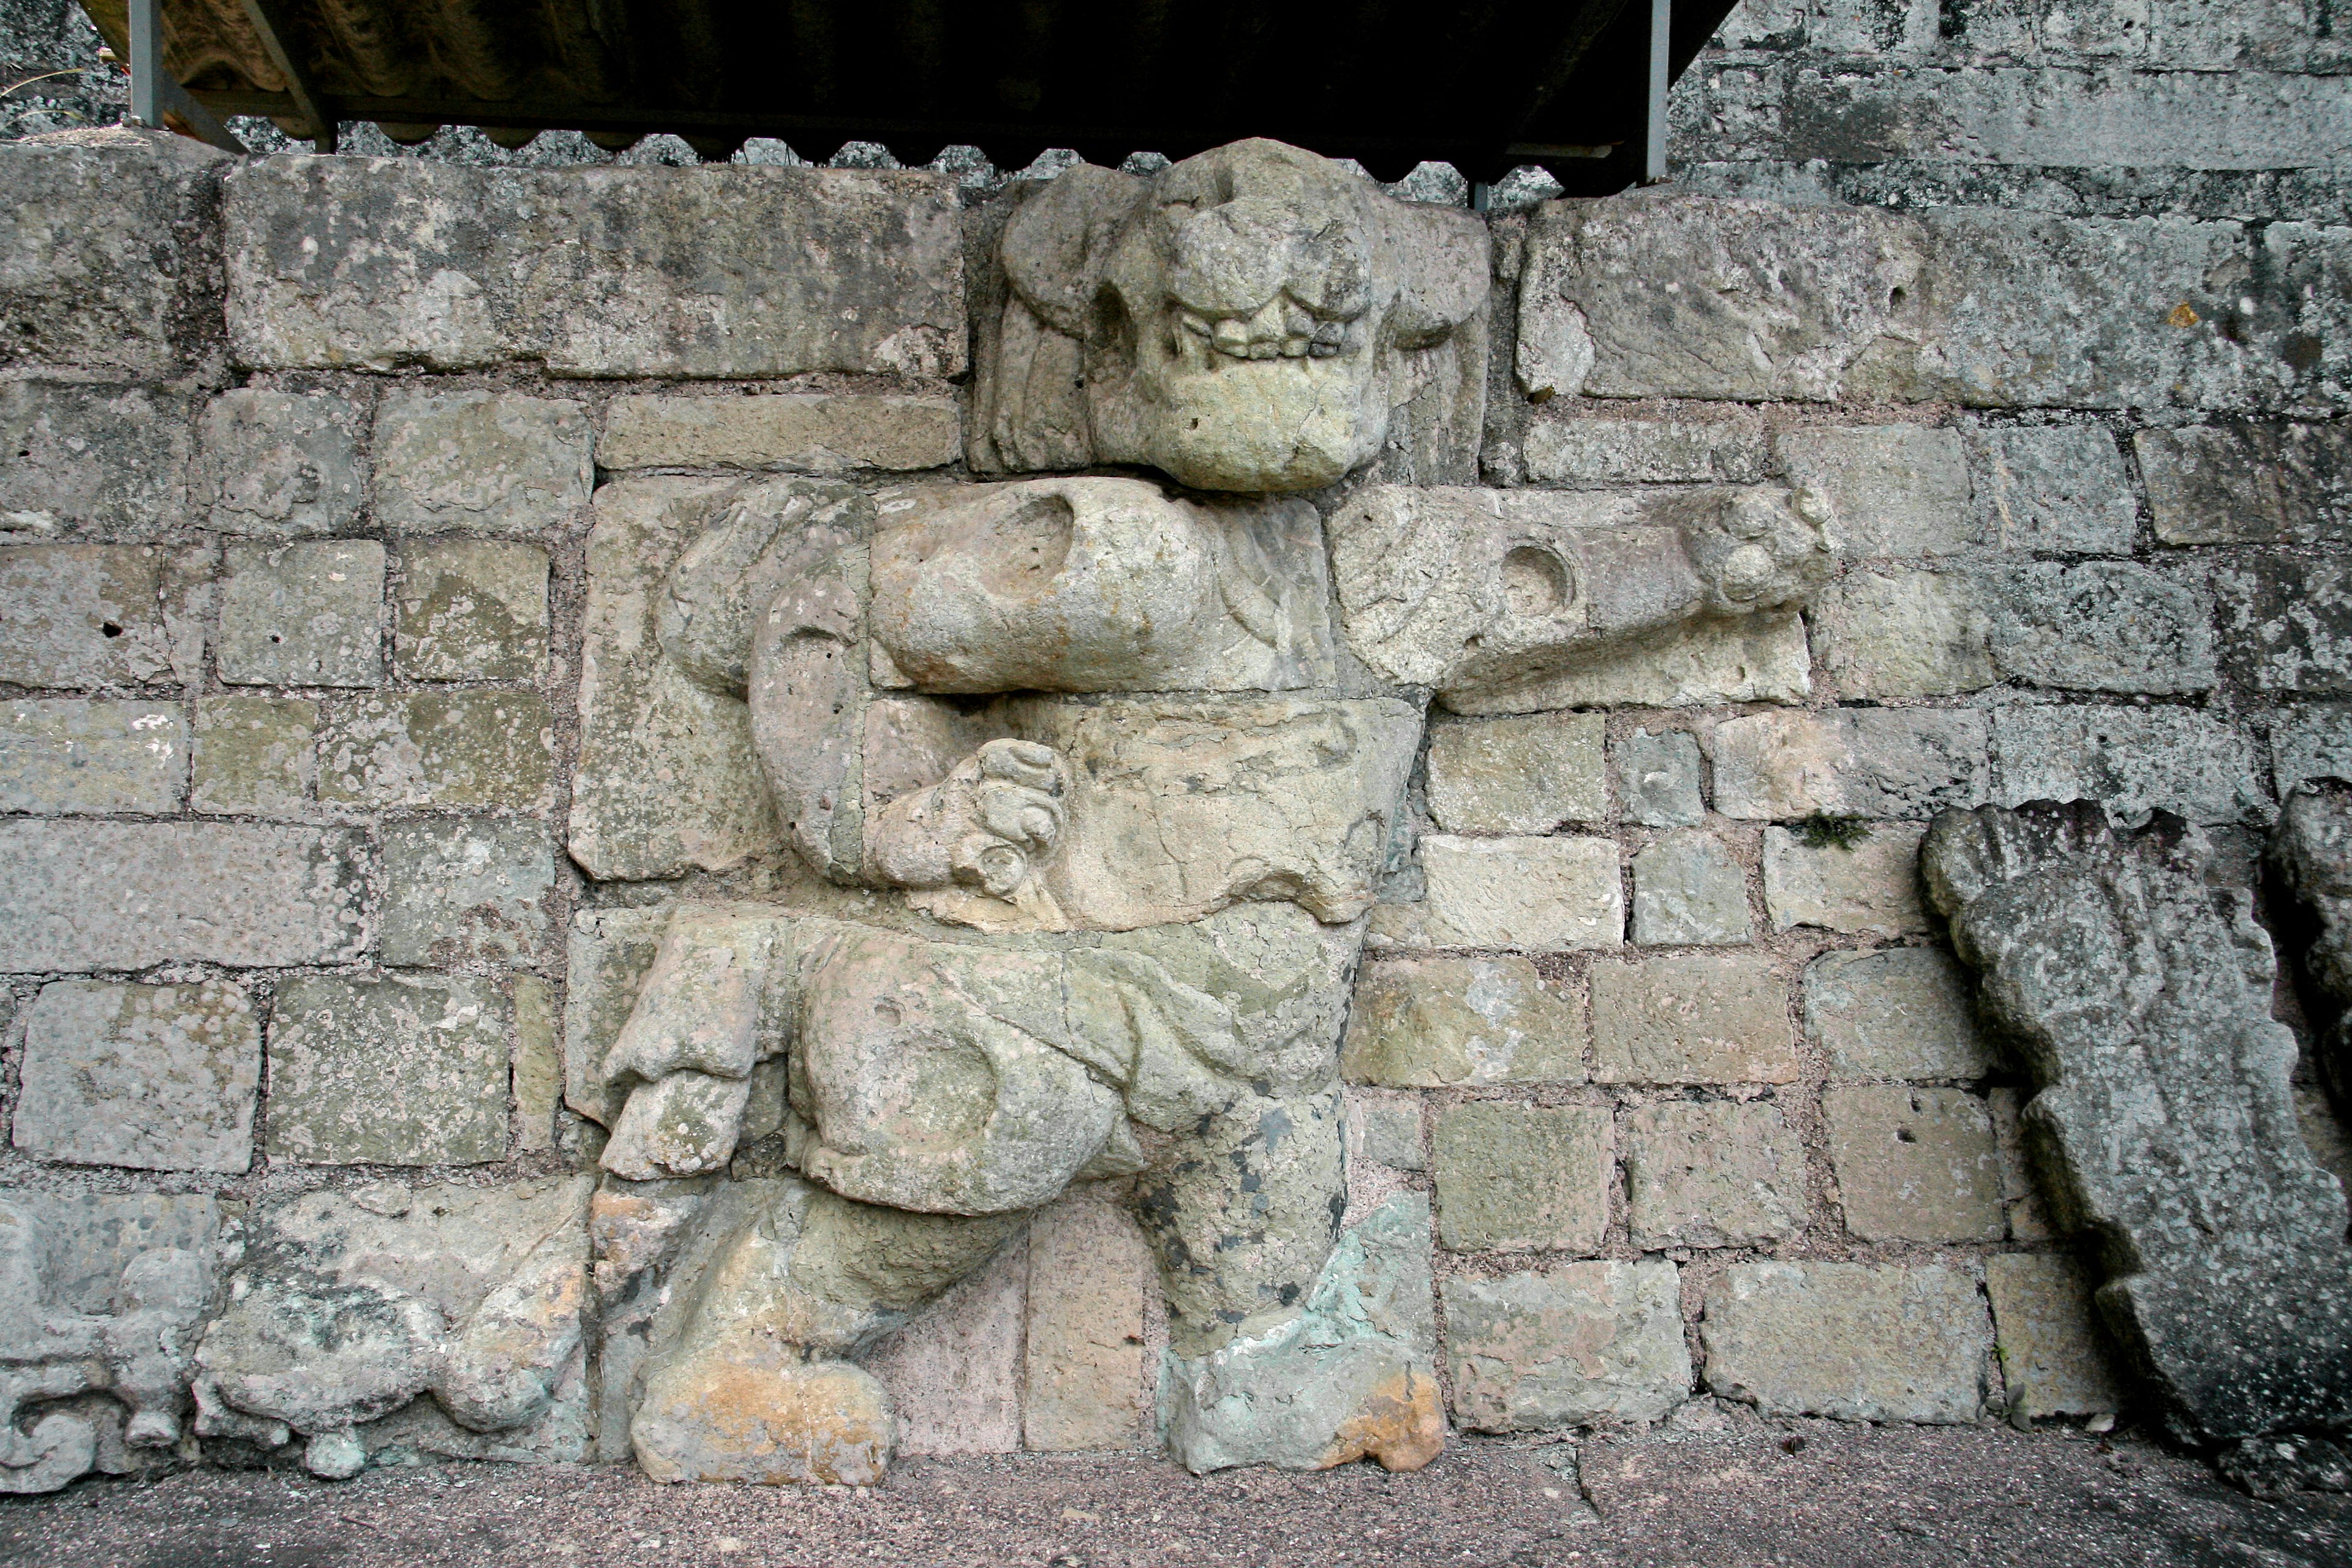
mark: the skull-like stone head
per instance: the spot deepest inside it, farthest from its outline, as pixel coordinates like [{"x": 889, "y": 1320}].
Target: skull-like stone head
[{"x": 1242, "y": 321}]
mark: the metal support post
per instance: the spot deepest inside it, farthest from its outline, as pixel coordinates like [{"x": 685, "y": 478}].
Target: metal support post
[
  {"x": 1653, "y": 134},
  {"x": 155, "y": 91}
]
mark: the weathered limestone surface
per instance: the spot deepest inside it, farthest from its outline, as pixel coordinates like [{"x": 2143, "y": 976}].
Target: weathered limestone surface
[
  {"x": 1082, "y": 1361},
  {"x": 106, "y": 245},
  {"x": 1583, "y": 1345},
  {"x": 376, "y": 264},
  {"x": 2249, "y": 483},
  {"x": 106, "y": 1294},
  {"x": 1660, "y": 297},
  {"x": 1687, "y": 889},
  {"x": 2053, "y": 1359},
  {"x": 464, "y": 889},
  {"x": 1915, "y": 1164},
  {"x": 1435, "y": 1023},
  {"x": 1528, "y": 895},
  {"x": 97, "y": 615},
  {"x": 471, "y": 609},
  {"x": 1898, "y": 631},
  {"x": 1594, "y": 452},
  {"x": 1517, "y": 775},
  {"x": 2053, "y": 487},
  {"x": 161, "y": 1078},
  {"x": 2105, "y": 626},
  {"x": 815, "y": 433},
  {"x": 954, "y": 1374},
  {"x": 1658, "y": 779},
  {"x": 281, "y": 465},
  {"x": 457, "y": 750},
  {"x": 1518, "y": 1178},
  {"x": 2285, "y": 622},
  {"x": 1895, "y": 1012},
  {"x": 255, "y": 756},
  {"x": 1692, "y": 1018},
  {"x": 66, "y": 755},
  {"x": 1893, "y": 489},
  {"x": 2310, "y": 742},
  {"x": 2139, "y": 997},
  {"x": 80, "y": 896},
  {"x": 2127, "y": 758},
  {"x": 2311, "y": 854},
  {"x": 1871, "y": 885},
  {"x": 303, "y": 615},
  {"x": 1868, "y": 762},
  {"x": 351, "y": 1306},
  {"x": 111, "y": 459},
  {"x": 404, "y": 1070},
  {"x": 1712, "y": 1173},
  {"x": 667, "y": 777},
  {"x": 1857, "y": 1342},
  {"x": 484, "y": 462}
]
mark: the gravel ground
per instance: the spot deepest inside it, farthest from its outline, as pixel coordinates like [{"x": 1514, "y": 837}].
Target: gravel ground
[{"x": 1788, "y": 1492}]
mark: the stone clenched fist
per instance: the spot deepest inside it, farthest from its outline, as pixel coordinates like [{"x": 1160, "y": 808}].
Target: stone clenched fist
[{"x": 987, "y": 826}]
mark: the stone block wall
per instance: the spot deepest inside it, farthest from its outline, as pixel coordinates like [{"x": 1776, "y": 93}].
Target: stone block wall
[{"x": 343, "y": 795}]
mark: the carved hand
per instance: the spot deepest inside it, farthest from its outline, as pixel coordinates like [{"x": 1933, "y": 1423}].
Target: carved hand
[
  {"x": 1764, "y": 550},
  {"x": 985, "y": 827}
]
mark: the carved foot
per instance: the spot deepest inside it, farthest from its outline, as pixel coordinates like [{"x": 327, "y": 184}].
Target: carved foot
[
  {"x": 985, "y": 829},
  {"x": 1767, "y": 548},
  {"x": 740, "y": 1416}
]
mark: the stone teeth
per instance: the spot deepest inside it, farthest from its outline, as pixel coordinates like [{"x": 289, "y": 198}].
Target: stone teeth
[{"x": 1294, "y": 347}]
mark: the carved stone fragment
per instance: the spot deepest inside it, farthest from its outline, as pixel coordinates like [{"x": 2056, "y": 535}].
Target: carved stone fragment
[
  {"x": 1246, "y": 320},
  {"x": 2138, "y": 996},
  {"x": 2312, "y": 856}
]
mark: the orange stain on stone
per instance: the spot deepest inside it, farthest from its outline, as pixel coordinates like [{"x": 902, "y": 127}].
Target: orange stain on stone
[{"x": 1400, "y": 1425}]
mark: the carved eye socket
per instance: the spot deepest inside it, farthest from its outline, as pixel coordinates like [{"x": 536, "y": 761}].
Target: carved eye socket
[{"x": 1536, "y": 582}]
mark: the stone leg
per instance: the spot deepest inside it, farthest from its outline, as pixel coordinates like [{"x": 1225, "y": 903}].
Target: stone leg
[
  {"x": 2139, "y": 997},
  {"x": 749, "y": 1378}
]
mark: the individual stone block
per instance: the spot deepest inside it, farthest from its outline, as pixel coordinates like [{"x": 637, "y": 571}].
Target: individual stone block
[
  {"x": 2102, "y": 626},
  {"x": 1857, "y": 1342},
  {"x": 1688, "y": 889},
  {"x": 159, "y": 1078},
  {"x": 404, "y": 1070},
  {"x": 1866, "y": 762},
  {"x": 1521, "y": 1178},
  {"x": 480, "y": 462},
  {"x": 1584, "y": 1344},
  {"x": 1438, "y": 1023},
  {"x": 1701, "y": 1017},
  {"x": 667, "y": 777},
  {"x": 2130, "y": 982},
  {"x": 2052, "y": 1356},
  {"x": 471, "y": 609},
  {"x": 1385, "y": 1129},
  {"x": 255, "y": 756},
  {"x": 2248, "y": 484},
  {"x": 1893, "y": 489},
  {"x": 459, "y": 890},
  {"x": 1712, "y": 1173},
  {"x": 106, "y": 248},
  {"x": 1915, "y": 1164},
  {"x": 2285, "y": 622},
  {"x": 1764, "y": 659},
  {"x": 1644, "y": 452},
  {"x": 538, "y": 1065},
  {"x": 1896, "y": 1013},
  {"x": 1658, "y": 779},
  {"x": 953, "y": 1374},
  {"x": 281, "y": 464},
  {"x": 1089, "y": 1273},
  {"x": 606, "y": 959},
  {"x": 2128, "y": 759},
  {"x": 1869, "y": 885},
  {"x": 454, "y": 749},
  {"x": 68, "y": 756},
  {"x": 2052, "y": 488},
  {"x": 303, "y": 615},
  {"x": 1525, "y": 775},
  {"x": 94, "y": 615},
  {"x": 379, "y": 266},
  {"x": 2313, "y": 742},
  {"x": 1893, "y": 631},
  {"x": 81, "y": 456},
  {"x": 126, "y": 895},
  {"x": 1667, "y": 297},
  {"x": 1529, "y": 894},
  {"x": 816, "y": 433}
]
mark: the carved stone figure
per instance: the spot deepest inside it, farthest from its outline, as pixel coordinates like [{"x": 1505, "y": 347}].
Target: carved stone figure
[
  {"x": 2139, "y": 994},
  {"x": 1246, "y": 320},
  {"x": 1121, "y": 802}
]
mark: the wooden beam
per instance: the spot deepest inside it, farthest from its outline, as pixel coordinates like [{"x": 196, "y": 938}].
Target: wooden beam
[{"x": 268, "y": 19}]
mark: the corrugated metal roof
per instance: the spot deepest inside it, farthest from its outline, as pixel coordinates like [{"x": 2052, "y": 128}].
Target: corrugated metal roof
[{"x": 1486, "y": 87}]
